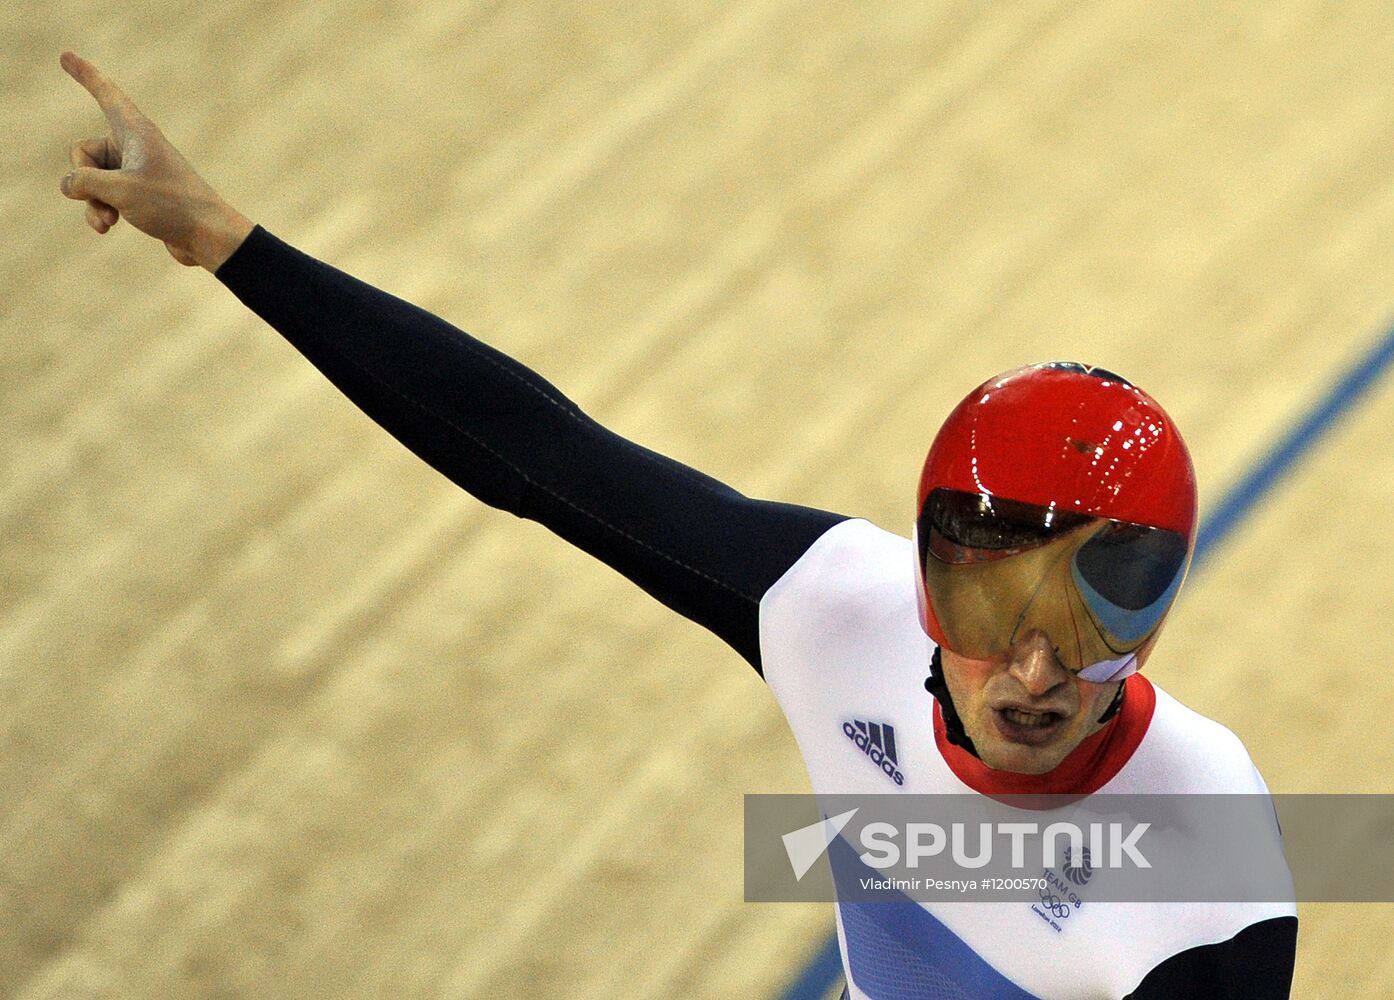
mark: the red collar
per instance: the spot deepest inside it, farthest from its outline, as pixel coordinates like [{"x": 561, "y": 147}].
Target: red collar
[{"x": 1088, "y": 767}]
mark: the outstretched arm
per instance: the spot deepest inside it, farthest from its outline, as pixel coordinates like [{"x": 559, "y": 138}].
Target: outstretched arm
[
  {"x": 502, "y": 432},
  {"x": 491, "y": 425}
]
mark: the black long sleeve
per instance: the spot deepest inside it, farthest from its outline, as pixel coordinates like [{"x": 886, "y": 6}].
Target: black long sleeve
[
  {"x": 1255, "y": 964},
  {"x": 507, "y": 436}
]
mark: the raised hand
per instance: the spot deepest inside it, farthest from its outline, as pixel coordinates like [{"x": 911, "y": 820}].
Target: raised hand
[{"x": 135, "y": 172}]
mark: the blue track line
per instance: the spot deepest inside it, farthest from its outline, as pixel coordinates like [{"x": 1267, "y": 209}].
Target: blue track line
[
  {"x": 824, "y": 968},
  {"x": 1243, "y": 497}
]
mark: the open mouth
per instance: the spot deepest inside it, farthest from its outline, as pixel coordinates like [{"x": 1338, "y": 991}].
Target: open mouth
[{"x": 1030, "y": 728}]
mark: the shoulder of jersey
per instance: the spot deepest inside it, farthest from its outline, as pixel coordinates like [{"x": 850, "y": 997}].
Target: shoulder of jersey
[
  {"x": 845, "y": 609},
  {"x": 855, "y": 572},
  {"x": 1186, "y": 752}
]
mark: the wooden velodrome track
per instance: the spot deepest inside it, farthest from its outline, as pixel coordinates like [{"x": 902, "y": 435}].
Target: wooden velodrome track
[{"x": 285, "y": 714}]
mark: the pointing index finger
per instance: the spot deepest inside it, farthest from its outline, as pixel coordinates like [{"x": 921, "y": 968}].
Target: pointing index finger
[{"x": 119, "y": 109}]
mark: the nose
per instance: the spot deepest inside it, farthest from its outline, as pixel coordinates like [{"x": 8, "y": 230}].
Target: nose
[{"x": 1035, "y": 666}]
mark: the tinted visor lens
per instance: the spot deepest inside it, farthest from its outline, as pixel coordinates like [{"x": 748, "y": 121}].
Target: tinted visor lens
[{"x": 997, "y": 569}]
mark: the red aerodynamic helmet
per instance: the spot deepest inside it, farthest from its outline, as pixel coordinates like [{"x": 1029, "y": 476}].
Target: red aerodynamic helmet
[{"x": 1056, "y": 497}]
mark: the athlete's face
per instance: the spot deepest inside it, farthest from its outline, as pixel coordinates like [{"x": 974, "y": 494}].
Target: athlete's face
[{"x": 1023, "y": 709}]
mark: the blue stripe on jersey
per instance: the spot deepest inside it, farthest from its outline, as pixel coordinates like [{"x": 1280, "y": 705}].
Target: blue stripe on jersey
[{"x": 900, "y": 951}]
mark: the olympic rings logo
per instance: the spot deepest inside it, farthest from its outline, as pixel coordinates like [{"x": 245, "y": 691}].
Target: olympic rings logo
[{"x": 1057, "y": 906}]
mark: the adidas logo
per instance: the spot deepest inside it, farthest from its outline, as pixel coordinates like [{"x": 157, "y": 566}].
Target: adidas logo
[{"x": 877, "y": 741}]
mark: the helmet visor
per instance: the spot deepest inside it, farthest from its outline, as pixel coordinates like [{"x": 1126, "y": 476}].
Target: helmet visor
[{"x": 996, "y": 570}]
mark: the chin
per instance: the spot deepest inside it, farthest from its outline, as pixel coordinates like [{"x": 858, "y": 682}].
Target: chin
[{"x": 1002, "y": 756}]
